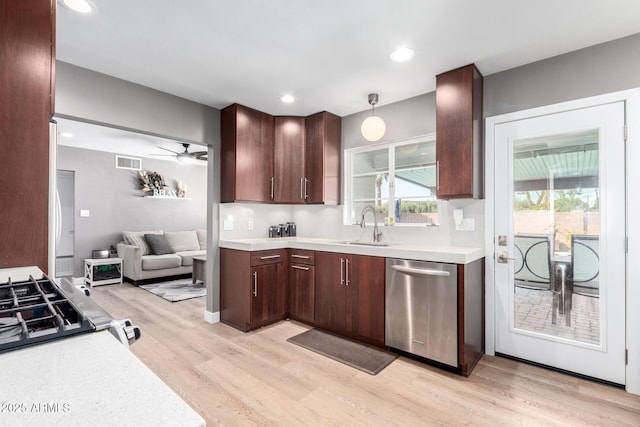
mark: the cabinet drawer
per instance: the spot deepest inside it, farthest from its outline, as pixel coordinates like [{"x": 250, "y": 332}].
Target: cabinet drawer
[
  {"x": 301, "y": 256},
  {"x": 267, "y": 257}
]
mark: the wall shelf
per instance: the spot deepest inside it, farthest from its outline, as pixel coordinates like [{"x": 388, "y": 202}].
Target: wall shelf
[{"x": 167, "y": 197}]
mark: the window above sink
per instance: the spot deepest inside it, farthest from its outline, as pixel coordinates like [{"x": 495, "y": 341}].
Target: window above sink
[{"x": 398, "y": 179}]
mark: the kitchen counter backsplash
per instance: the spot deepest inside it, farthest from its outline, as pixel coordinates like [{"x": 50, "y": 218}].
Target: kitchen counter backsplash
[{"x": 252, "y": 221}]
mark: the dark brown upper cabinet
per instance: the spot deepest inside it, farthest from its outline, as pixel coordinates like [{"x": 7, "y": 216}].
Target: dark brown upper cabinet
[
  {"x": 288, "y": 160},
  {"x": 246, "y": 164},
  {"x": 323, "y": 136},
  {"x": 459, "y": 134},
  {"x": 284, "y": 159},
  {"x": 27, "y": 82}
]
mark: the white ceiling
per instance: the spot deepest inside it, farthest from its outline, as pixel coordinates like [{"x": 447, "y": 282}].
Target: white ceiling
[
  {"x": 329, "y": 54},
  {"x": 119, "y": 141}
]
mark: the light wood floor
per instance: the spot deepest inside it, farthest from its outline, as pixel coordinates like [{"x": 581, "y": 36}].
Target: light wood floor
[{"x": 237, "y": 379}]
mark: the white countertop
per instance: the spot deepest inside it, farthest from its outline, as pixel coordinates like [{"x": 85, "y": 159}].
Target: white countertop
[
  {"x": 448, "y": 254},
  {"x": 86, "y": 380}
]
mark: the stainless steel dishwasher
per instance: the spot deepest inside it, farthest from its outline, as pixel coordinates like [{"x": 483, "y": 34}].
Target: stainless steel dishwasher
[{"x": 421, "y": 311}]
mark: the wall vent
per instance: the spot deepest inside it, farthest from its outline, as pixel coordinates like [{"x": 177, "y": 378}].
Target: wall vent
[{"x": 132, "y": 163}]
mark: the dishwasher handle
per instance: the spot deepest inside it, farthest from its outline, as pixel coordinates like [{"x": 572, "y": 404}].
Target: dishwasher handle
[{"x": 422, "y": 271}]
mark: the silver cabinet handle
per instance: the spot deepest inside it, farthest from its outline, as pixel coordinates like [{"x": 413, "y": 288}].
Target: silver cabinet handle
[
  {"x": 346, "y": 271},
  {"x": 299, "y": 267},
  {"x": 437, "y": 175},
  {"x": 273, "y": 184},
  {"x": 300, "y": 256},
  {"x": 255, "y": 283},
  {"x": 423, "y": 271},
  {"x": 270, "y": 256},
  {"x": 306, "y": 196},
  {"x": 341, "y": 271},
  {"x": 301, "y": 189}
]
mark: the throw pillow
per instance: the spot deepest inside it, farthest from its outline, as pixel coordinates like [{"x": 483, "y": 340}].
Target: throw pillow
[
  {"x": 136, "y": 238},
  {"x": 182, "y": 241},
  {"x": 159, "y": 244}
]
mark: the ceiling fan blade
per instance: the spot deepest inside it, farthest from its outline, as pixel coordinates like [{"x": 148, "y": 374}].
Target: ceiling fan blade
[
  {"x": 166, "y": 149},
  {"x": 199, "y": 153}
]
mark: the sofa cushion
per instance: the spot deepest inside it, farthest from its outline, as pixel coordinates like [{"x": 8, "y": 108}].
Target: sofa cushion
[
  {"x": 136, "y": 238},
  {"x": 187, "y": 256},
  {"x": 202, "y": 238},
  {"x": 182, "y": 241},
  {"x": 159, "y": 262},
  {"x": 159, "y": 244}
]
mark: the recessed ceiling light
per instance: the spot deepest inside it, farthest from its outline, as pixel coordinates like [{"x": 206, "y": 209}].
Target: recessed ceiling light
[
  {"x": 80, "y": 6},
  {"x": 66, "y": 134},
  {"x": 287, "y": 99},
  {"x": 402, "y": 54}
]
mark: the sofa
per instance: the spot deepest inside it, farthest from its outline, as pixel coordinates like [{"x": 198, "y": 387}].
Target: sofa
[{"x": 141, "y": 265}]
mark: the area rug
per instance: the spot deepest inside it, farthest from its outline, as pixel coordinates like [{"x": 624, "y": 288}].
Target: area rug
[
  {"x": 361, "y": 356},
  {"x": 177, "y": 290}
]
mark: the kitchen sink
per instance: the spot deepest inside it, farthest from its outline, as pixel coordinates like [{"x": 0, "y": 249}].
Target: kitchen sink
[{"x": 362, "y": 243}]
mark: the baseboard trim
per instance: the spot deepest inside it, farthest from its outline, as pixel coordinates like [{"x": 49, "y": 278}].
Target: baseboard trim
[{"x": 211, "y": 317}]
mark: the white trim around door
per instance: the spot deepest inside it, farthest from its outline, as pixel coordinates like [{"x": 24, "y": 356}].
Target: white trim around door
[{"x": 631, "y": 98}]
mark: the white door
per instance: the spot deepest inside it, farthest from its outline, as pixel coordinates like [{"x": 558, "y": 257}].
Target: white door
[{"x": 559, "y": 191}]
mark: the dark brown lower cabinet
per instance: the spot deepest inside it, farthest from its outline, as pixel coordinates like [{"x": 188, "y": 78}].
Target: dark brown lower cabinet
[
  {"x": 302, "y": 273},
  {"x": 253, "y": 287},
  {"x": 349, "y": 295}
]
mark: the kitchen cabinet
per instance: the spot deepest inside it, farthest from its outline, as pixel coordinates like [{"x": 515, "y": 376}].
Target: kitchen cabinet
[
  {"x": 288, "y": 160},
  {"x": 253, "y": 287},
  {"x": 459, "y": 147},
  {"x": 470, "y": 315},
  {"x": 284, "y": 159},
  {"x": 323, "y": 139},
  {"x": 349, "y": 295},
  {"x": 302, "y": 284},
  {"x": 246, "y": 166},
  {"x": 27, "y": 82}
]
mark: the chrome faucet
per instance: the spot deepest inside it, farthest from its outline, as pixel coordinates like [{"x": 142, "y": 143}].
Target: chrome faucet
[{"x": 376, "y": 233}]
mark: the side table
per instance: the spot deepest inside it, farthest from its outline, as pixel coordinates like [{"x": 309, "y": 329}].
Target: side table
[
  {"x": 104, "y": 271},
  {"x": 199, "y": 264}
]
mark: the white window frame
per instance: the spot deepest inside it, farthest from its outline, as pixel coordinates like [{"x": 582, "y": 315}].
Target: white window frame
[{"x": 348, "y": 175}]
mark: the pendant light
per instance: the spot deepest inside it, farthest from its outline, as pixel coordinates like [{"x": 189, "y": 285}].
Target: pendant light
[{"x": 373, "y": 127}]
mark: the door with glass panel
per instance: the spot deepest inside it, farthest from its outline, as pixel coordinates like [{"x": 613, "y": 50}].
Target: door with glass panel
[{"x": 559, "y": 244}]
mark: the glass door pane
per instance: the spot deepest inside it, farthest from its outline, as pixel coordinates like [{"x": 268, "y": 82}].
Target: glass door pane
[{"x": 556, "y": 218}]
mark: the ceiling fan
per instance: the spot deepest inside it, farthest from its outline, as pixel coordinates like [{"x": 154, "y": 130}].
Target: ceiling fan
[{"x": 186, "y": 154}]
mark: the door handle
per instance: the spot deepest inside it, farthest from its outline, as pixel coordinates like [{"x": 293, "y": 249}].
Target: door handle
[
  {"x": 341, "y": 271},
  {"x": 270, "y": 257},
  {"x": 273, "y": 184},
  {"x": 437, "y": 175},
  {"x": 346, "y": 271},
  {"x": 503, "y": 257},
  {"x": 423, "y": 271},
  {"x": 255, "y": 283},
  {"x": 306, "y": 196},
  {"x": 299, "y": 267}
]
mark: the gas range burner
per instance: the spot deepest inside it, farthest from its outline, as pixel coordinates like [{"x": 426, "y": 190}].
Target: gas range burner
[{"x": 37, "y": 310}]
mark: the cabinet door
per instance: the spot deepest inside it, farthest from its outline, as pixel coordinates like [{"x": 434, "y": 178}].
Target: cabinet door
[
  {"x": 330, "y": 295},
  {"x": 268, "y": 292},
  {"x": 247, "y": 155},
  {"x": 459, "y": 152},
  {"x": 301, "y": 291},
  {"x": 365, "y": 296},
  {"x": 236, "y": 283},
  {"x": 27, "y": 61},
  {"x": 322, "y": 158},
  {"x": 288, "y": 158}
]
